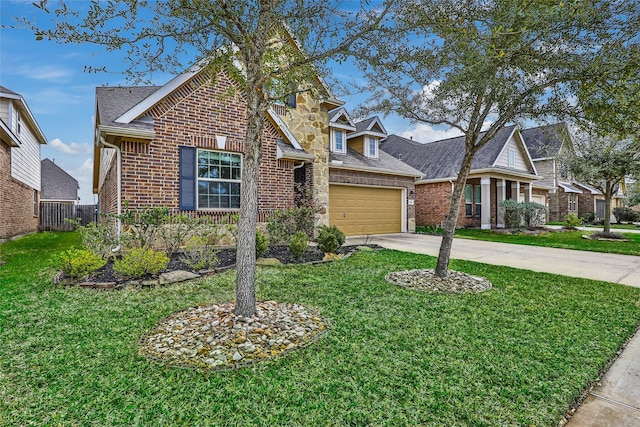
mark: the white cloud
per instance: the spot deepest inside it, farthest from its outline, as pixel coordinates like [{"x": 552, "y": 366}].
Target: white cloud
[
  {"x": 72, "y": 148},
  {"x": 423, "y": 132},
  {"x": 84, "y": 175},
  {"x": 43, "y": 72}
]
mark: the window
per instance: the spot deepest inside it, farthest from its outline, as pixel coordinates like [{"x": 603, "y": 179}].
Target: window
[
  {"x": 472, "y": 200},
  {"x": 573, "y": 202},
  {"x": 372, "y": 147},
  {"x": 219, "y": 177},
  {"x": 512, "y": 157},
  {"x": 18, "y": 122},
  {"x": 35, "y": 202},
  {"x": 338, "y": 142}
]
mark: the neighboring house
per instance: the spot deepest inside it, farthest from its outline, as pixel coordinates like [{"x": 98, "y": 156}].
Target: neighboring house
[
  {"x": 500, "y": 170},
  {"x": 181, "y": 145},
  {"x": 57, "y": 185},
  {"x": 20, "y": 141},
  {"x": 547, "y": 145}
]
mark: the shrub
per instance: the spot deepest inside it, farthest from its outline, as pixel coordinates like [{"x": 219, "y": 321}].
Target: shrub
[
  {"x": 329, "y": 238},
  {"x": 80, "y": 262},
  {"x": 261, "y": 244},
  {"x": 529, "y": 214},
  {"x": 534, "y": 214},
  {"x": 139, "y": 262},
  {"x": 174, "y": 232},
  {"x": 199, "y": 255},
  {"x": 572, "y": 221},
  {"x": 625, "y": 214},
  {"x": 590, "y": 217},
  {"x": 512, "y": 213},
  {"x": 298, "y": 244},
  {"x": 287, "y": 222},
  {"x": 143, "y": 225},
  {"x": 98, "y": 238}
]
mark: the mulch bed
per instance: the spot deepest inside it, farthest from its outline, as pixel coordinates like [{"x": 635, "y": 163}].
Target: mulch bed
[{"x": 104, "y": 278}]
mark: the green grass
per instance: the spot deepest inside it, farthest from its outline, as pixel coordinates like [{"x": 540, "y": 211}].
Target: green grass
[
  {"x": 563, "y": 240},
  {"x": 613, "y": 226},
  {"x": 517, "y": 355}
]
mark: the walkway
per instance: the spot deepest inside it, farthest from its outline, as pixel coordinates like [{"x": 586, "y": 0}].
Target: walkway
[{"x": 616, "y": 399}]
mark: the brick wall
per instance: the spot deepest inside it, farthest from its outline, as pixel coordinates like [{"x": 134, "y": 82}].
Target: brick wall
[
  {"x": 194, "y": 115},
  {"x": 559, "y": 205},
  {"x": 433, "y": 200},
  {"x": 342, "y": 176},
  {"x": 16, "y": 201}
]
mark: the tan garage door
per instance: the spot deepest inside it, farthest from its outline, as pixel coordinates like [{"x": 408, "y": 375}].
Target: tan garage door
[{"x": 365, "y": 210}]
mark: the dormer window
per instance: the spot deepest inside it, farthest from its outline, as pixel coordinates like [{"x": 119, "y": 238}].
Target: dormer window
[
  {"x": 371, "y": 147},
  {"x": 339, "y": 144}
]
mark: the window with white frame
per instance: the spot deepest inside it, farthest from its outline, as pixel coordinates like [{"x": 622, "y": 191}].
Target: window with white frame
[
  {"x": 18, "y": 122},
  {"x": 512, "y": 157},
  {"x": 339, "y": 144},
  {"x": 372, "y": 147},
  {"x": 219, "y": 179},
  {"x": 472, "y": 200}
]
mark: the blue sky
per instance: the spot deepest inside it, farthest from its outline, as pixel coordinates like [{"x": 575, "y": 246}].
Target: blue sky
[{"x": 61, "y": 95}]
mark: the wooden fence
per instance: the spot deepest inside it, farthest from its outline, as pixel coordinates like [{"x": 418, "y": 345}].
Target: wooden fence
[{"x": 53, "y": 215}]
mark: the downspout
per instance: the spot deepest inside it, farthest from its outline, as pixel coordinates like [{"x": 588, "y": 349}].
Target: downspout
[{"x": 118, "y": 186}]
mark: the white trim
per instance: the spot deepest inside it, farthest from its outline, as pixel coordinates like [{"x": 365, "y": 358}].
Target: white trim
[
  {"x": 126, "y": 132},
  {"x": 567, "y": 188},
  {"x": 333, "y": 147},
  {"x": 366, "y": 132},
  {"x": 496, "y": 172},
  {"x": 341, "y": 126},
  {"x": 369, "y": 169},
  {"x": 283, "y": 127},
  {"x": 235, "y": 181},
  {"x": 341, "y": 112},
  {"x": 521, "y": 142},
  {"x": 13, "y": 139},
  {"x": 367, "y": 148},
  {"x": 293, "y": 156},
  {"x": 42, "y": 140}
]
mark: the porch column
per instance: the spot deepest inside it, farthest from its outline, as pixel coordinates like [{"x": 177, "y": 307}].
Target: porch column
[
  {"x": 528, "y": 192},
  {"x": 515, "y": 190},
  {"x": 485, "y": 211},
  {"x": 501, "y": 196}
]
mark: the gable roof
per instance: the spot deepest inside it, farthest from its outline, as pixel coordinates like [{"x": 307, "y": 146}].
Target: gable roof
[
  {"x": 443, "y": 159},
  {"x": 56, "y": 184},
  {"x": 371, "y": 126},
  {"x": 26, "y": 114},
  {"x": 341, "y": 113},
  {"x": 545, "y": 142},
  {"x": 112, "y": 102}
]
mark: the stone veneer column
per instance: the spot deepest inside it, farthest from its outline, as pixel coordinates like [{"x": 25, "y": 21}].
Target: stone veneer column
[{"x": 309, "y": 123}]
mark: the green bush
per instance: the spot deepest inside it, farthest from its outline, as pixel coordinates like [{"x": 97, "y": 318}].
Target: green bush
[
  {"x": 528, "y": 214},
  {"x": 139, "y": 262},
  {"x": 625, "y": 214},
  {"x": 512, "y": 213},
  {"x": 287, "y": 222},
  {"x": 98, "y": 238},
  {"x": 142, "y": 225},
  {"x": 175, "y": 230},
  {"x": 261, "y": 244},
  {"x": 533, "y": 214},
  {"x": 329, "y": 238},
  {"x": 198, "y": 254},
  {"x": 572, "y": 221},
  {"x": 80, "y": 262},
  {"x": 298, "y": 244}
]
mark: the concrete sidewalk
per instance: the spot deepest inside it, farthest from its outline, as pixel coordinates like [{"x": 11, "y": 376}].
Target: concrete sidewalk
[{"x": 615, "y": 401}]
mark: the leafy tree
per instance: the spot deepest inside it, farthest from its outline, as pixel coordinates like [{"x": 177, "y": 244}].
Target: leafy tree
[
  {"x": 603, "y": 163},
  {"x": 480, "y": 65},
  {"x": 166, "y": 34}
]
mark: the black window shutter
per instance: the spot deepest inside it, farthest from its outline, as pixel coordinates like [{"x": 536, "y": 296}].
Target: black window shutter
[
  {"x": 291, "y": 100},
  {"x": 187, "y": 178}
]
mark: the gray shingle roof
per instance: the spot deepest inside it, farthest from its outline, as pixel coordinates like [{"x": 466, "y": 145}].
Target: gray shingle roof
[
  {"x": 385, "y": 163},
  {"x": 56, "y": 184},
  {"x": 545, "y": 141},
  {"x": 9, "y": 91},
  {"x": 114, "y": 101},
  {"x": 363, "y": 125},
  {"x": 443, "y": 159}
]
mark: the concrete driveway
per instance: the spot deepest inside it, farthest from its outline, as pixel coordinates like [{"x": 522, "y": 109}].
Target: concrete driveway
[
  {"x": 615, "y": 401},
  {"x": 624, "y": 269}
]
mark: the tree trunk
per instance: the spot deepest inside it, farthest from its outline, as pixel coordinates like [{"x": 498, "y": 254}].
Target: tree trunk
[
  {"x": 608, "y": 195},
  {"x": 444, "y": 254},
  {"x": 246, "y": 240}
]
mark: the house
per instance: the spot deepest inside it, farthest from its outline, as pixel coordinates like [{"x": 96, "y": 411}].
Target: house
[
  {"x": 57, "y": 185},
  {"x": 20, "y": 141},
  {"x": 181, "y": 145},
  {"x": 500, "y": 170},
  {"x": 547, "y": 144}
]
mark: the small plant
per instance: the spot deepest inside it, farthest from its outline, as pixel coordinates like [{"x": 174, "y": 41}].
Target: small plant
[
  {"x": 79, "y": 262},
  {"x": 625, "y": 214},
  {"x": 590, "y": 217},
  {"x": 261, "y": 244},
  {"x": 512, "y": 213},
  {"x": 143, "y": 225},
  {"x": 572, "y": 221},
  {"x": 528, "y": 214},
  {"x": 285, "y": 223},
  {"x": 199, "y": 255},
  {"x": 174, "y": 231},
  {"x": 298, "y": 244},
  {"x": 139, "y": 262},
  {"x": 329, "y": 238},
  {"x": 97, "y": 237}
]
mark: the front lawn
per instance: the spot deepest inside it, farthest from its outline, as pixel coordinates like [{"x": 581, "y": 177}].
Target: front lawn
[
  {"x": 563, "y": 240},
  {"x": 517, "y": 355}
]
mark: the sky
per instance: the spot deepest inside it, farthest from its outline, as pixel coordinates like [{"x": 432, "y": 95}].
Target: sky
[{"x": 59, "y": 92}]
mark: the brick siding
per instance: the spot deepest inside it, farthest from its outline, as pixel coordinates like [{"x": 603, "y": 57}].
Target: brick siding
[
  {"x": 16, "y": 201},
  {"x": 192, "y": 116}
]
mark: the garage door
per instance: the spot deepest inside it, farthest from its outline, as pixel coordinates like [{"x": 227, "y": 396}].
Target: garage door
[{"x": 365, "y": 210}]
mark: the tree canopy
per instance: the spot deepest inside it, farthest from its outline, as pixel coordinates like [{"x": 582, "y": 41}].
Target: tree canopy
[{"x": 478, "y": 65}]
